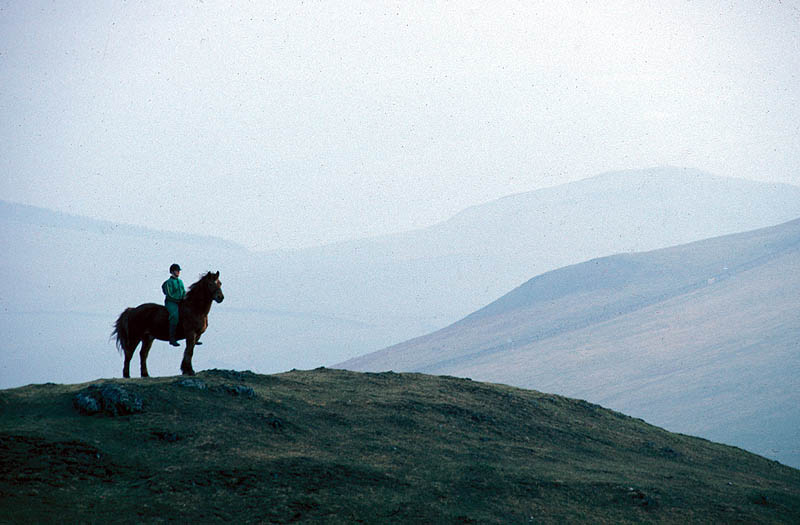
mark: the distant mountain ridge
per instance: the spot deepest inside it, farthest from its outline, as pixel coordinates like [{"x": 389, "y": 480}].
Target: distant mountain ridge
[
  {"x": 450, "y": 269},
  {"x": 36, "y": 216},
  {"x": 665, "y": 335},
  {"x": 319, "y": 306}
]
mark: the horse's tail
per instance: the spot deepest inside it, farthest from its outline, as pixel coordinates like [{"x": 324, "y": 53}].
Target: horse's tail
[{"x": 121, "y": 331}]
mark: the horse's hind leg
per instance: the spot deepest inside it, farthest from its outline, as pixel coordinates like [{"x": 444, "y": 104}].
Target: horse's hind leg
[
  {"x": 147, "y": 342},
  {"x": 129, "y": 349}
]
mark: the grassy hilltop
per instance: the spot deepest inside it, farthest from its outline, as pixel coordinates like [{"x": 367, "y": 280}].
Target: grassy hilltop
[{"x": 334, "y": 446}]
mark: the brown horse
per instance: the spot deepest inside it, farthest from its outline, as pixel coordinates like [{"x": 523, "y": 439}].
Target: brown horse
[{"x": 150, "y": 321}]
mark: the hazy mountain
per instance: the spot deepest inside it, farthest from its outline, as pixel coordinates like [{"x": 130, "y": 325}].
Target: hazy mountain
[
  {"x": 702, "y": 338},
  {"x": 442, "y": 273},
  {"x": 328, "y": 446},
  {"x": 67, "y": 278},
  {"x": 24, "y": 215}
]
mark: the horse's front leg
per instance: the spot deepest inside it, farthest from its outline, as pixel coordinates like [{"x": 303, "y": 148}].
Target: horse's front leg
[{"x": 186, "y": 364}]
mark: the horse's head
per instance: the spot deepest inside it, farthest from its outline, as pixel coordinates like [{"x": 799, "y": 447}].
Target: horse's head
[
  {"x": 207, "y": 288},
  {"x": 215, "y": 286}
]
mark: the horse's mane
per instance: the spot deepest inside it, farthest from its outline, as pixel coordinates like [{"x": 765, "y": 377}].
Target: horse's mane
[{"x": 195, "y": 288}]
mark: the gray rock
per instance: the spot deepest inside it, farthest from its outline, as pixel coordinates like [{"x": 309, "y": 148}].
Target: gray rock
[
  {"x": 85, "y": 404},
  {"x": 239, "y": 390},
  {"x": 109, "y": 399},
  {"x": 193, "y": 383}
]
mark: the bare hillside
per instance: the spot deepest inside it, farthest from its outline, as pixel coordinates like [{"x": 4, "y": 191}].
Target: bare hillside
[{"x": 701, "y": 338}]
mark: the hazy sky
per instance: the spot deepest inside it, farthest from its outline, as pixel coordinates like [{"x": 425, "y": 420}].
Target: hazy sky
[{"x": 284, "y": 124}]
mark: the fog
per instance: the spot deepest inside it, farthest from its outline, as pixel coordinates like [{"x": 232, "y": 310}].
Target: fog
[
  {"x": 67, "y": 278},
  {"x": 285, "y": 125}
]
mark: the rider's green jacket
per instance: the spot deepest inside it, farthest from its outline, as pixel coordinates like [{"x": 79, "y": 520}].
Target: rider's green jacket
[{"x": 173, "y": 290}]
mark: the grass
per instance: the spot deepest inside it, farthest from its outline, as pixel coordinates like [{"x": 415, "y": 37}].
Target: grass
[{"x": 342, "y": 447}]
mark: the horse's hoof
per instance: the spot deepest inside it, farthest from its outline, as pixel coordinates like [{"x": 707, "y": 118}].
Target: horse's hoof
[{"x": 189, "y": 372}]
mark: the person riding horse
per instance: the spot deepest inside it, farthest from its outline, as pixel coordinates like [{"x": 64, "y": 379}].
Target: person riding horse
[
  {"x": 174, "y": 293},
  {"x": 149, "y": 321}
]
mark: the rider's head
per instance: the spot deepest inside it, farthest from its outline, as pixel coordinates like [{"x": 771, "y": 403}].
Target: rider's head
[{"x": 174, "y": 269}]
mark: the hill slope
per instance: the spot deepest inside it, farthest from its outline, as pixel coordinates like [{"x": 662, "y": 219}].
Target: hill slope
[
  {"x": 700, "y": 338},
  {"x": 340, "y": 447}
]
